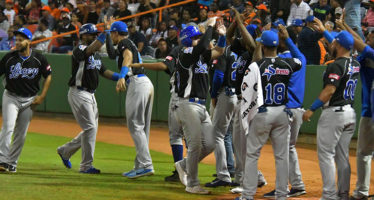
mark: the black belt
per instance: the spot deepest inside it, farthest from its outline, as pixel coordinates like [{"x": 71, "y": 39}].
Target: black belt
[
  {"x": 197, "y": 100},
  {"x": 337, "y": 108},
  {"x": 85, "y": 89},
  {"x": 20, "y": 95}
]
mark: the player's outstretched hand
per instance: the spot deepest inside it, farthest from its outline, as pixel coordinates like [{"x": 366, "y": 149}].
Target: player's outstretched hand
[
  {"x": 307, "y": 115},
  {"x": 283, "y": 33},
  {"x": 37, "y": 101},
  {"x": 318, "y": 25},
  {"x": 108, "y": 23},
  {"x": 136, "y": 65},
  {"x": 211, "y": 21},
  {"x": 221, "y": 29},
  {"x": 121, "y": 85}
]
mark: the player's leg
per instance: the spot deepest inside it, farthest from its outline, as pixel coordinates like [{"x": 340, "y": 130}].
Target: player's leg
[
  {"x": 280, "y": 138},
  {"x": 10, "y": 111},
  {"x": 20, "y": 131},
  {"x": 365, "y": 148},
  {"x": 239, "y": 143},
  {"x": 208, "y": 142},
  {"x": 295, "y": 179},
  {"x": 258, "y": 135},
  {"x": 342, "y": 153},
  {"x": 229, "y": 150},
  {"x": 327, "y": 139}
]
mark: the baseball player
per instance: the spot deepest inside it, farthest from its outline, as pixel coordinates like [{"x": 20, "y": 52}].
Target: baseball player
[
  {"x": 86, "y": 67},
  {"x": 243, "y": 48},
  {"x": 22, "y": 69},
  {"x": 336, "y": 99},
  {"x": 225, "y": 101},
  {"x": 295, "y": 95},
  {"x": 191, "y": 85},
  {"x": 175, "y": 129},
  {"x": 365, "y": 143},
  {"x": 139, "y": 98},
  {"x": 272, "y": 119}
]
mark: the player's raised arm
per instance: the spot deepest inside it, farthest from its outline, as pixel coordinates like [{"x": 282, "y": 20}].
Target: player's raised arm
[
  {"x": 159, "y": 66},
  {"x": 112, "y": 53},
  {"x": 218, "y": 50},
  {"x": 247, "y": 39}
]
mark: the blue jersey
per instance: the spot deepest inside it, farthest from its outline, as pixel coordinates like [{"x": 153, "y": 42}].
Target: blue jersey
[
  {"x": 366, "y": 60},
  {"x": 296, "y": 86}
]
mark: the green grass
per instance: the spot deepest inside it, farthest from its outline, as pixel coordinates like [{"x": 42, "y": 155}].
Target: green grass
[{"x": 41, "y": 175}]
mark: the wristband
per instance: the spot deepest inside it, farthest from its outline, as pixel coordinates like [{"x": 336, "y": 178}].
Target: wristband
[
  {"x": 124, "y": 71},
  {"x": 102, "y": 38},
  {"x": 221, "y": 41},
  {"x": 316, "y": 104},
  {"x": 115, "y": 76}
]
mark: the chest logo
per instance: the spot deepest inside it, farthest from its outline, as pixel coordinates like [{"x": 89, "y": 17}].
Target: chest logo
[
  {"x": 17, "y": 70},
  {"x": 202, "y": 68},
  {"x": 270, "y": 71},
  {"x": 352, "y": 70},
  {"x": 93, "y": 63}
]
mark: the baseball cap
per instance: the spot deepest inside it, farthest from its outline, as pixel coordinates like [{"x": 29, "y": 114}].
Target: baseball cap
[
  {"x": 9, "y": 1},
  {"x": 262, "y": 7},
  {"x": 173, "y": 28},
  {"x": 269, "y": 38},
  {"x": 25, "y": 32},
  {"x": 252, "y": 29},
  {"x": 47, "y": 8},
  {"x": 338, "y": 10},
  {"x": 64, "y": 9},
  {"x": 119, "y": 26},
  {"x": 310, "y": 18},
  {"x": 279, "y": 21},
  {"x": 297, "y": 22},
  {"x": 345, "y": 39},
  {"x": 250, "y": 3}
]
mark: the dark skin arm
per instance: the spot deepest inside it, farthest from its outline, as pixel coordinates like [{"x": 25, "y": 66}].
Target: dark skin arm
[
  {"x": 247, "y": 39},
  {"x": 159, "y": 66},
  {"x": 324, "y": 96},
  {"x": 40, "y": 98}
]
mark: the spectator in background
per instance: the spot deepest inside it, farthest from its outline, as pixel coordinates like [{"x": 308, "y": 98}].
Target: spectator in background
[
  {"x": 174, "y": 15},
  {"x": 91, "y": 16},
  {"x": 20, "y": 21},
  {"x": 41, "y": 33},
  {"x": 321, "y": 10},
  {"x": 106, "y": 11},
  {"x": 145, "y": 28},
  {"x": 9, "y": 42},
  {"x": 248, "y": 13},
  {"x": 280, "y": 9},
  {"x": 146, "y": 5},
  {"x": 238, "y": 5},
  {"x": 162, "y": 32},
  {"x": 137, "y": 38},
  {"x": 55, "y": 12},
  {"x": 353, "y": 16},
  {"x": 297, "y": 25},
  {"x": 186, "y": 16},
  {"x": 122, "y": 11},
  {"x": 4, "y": 24},
  {"x": 163, "y": 49},
  {"x": 203, "y": 14},
  {"x": 299, "y": 10},
  {"x": 75, "y": 21},
  {"x": 172, "y": 38},
  {"x": 330, "y": 28},
  {"x": 46, "y": 14},
  {"x": 263, "y": 14},
  {"x": 369, "y": 18},
  {"x": 338, "y": 13},
  {"x": 33, "y": 8},
  {"x": 308, "y": 42},
  {"x": 133, "y": 6},
  {"x": 67, "y": 42},
  {"x": 9, "y": 11}
]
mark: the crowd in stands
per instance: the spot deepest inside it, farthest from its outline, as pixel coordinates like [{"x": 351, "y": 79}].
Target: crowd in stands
[{"x": 156, "y": 38}]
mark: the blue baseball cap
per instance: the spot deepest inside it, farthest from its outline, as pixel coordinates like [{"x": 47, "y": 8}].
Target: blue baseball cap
[
  {"x": 25, "y": 32},
  {"x": 310, "y": 18},
  {"x": 279, "y": 21},
  {"x": 297, "y": 22},
  {"x": 251, "y": 28},
  {"x": 345, "y": 39},
  {"x": 269, "y": 38},
  {"x": 119, "y": 26}
]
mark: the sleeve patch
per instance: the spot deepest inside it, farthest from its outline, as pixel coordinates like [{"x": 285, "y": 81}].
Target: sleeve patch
[
  {"x": 48, "y": 68},
  {"x": 215, "y": 62},
  {"x": 334, "y": 76},
  {"x": 169, "y": 58},
  {"x": 82, "y": 47}
]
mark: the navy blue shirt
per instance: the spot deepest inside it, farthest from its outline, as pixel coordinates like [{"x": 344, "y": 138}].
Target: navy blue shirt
[
  {"x": 308, "y": 45},
  {"x": 366, "y": 60}
]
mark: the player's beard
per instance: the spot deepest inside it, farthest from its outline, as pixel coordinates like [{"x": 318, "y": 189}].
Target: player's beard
[
  {"x": 22, "y": 49},
  {"x": 334, "y": 53}
]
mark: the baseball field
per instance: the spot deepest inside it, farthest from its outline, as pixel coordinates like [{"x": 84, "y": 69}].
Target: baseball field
[{"x": 41, "y": 174}]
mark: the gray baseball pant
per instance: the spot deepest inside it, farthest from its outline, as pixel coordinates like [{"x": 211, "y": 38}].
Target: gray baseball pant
[
  {"x": 175, "y": 128},
  {"x": 273, "y": 124},
  {"x": 84, "y": 107},
  {"x": 365, "y": 149},
  {"x": 334, "y": 132},
  {"x": 294, "y": 175},
  {"x": 223, "y": 114},
  {"x": 17, "y": 115},
  {"x": 198, "y": 131},
  {"x": 139, "y": 102}
]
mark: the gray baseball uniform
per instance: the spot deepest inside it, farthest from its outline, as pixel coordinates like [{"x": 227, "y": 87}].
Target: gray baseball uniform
[{"x": 22, "y": 76}]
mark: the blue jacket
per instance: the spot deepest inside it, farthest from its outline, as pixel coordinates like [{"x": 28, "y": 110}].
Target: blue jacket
[{"x": 308, "y": 45}]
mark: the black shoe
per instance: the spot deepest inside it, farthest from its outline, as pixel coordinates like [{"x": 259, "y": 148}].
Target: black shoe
[
  {"x": 354, "y": 198},
  {"x": 216, "y": 183},
  {"x": 233, "y": 184},
  {"x": 214, "y": 175},
  {"x": 260, "y": 184},
  {"x": 296, "y": 192},
  {"x": 3, "y": 167},
  {"x": 173, "y": 178},
  {"x": 232, "y": 174},
  {"x": 12, "y": 169},
  {"x": 270, "y": 194}
]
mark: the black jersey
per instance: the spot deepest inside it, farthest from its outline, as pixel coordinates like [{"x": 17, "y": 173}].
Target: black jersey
[
  {"x": 171, "y": 60},
  {"x": 227, "y": 63},
  {"x": 22, "y": 75},
  {"x": 343, "y": 74},
  {"x": 275, "y": 76},
  {"x": 85, "y": 69},
  {"x": 128, "y": 44},
  {"x": 243, "y": 60}
]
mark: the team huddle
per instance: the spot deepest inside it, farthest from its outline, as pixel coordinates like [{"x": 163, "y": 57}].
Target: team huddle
[{"x": 256, "y": 81}]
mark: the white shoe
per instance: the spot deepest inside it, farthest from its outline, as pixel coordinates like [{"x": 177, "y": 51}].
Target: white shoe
[
  {"x": 236, "y": 190},
  {"x": 182, "y": 174},
  {"x": 197, "y": 190}
]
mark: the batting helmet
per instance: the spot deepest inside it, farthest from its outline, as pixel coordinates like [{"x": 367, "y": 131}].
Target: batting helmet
[
  {"x": 187, "y": 34},
  {"x": 25, "y": 32},
  {"x": 88, "y": 29},
  {"x": 119, "y": 26}
]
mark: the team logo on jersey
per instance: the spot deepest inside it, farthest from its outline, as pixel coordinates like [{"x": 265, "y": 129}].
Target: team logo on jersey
[
  {"x": 334, "y": 76},
  {"x": 169, "y": 58},
  {"x": 352, "y": 70},
  {"x": 93, "y": 63},
  {"x": 270, "y": 71},
  {"x": 17, "y": 70},
  {"x": 202, "y": 68},
  {"x": 240, "y": 64}
]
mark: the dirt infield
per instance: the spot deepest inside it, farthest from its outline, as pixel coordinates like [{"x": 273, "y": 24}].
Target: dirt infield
[{"x": 115, "y": 133}]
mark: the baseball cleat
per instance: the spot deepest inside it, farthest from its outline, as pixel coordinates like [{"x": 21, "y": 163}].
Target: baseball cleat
[
  {"x": 12, "y": 169},
  {"x": 141, "y": 172},
  {"x": 173, "y": 178},
  {"x": 3, "y": 167},
  {"x": 217, "y": 182},
  {"x": 237, "y": 190},
  {"x": 197, "y": 190},
  {"x": 295, "y": 192},
  {"x": 66, "y": 162},
  {"x": 362, "y": 198},
  {"x": 182, "y": 174},
  {"x": 128, "y": 173},
  {"x": 242, "y": 198},
  {"x": 270, "y": 194},
  {"x": 91, "y": 170}
]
